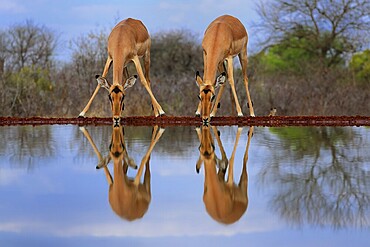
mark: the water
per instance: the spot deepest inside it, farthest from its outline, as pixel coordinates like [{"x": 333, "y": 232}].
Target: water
[{"x": 306, "y": 186}]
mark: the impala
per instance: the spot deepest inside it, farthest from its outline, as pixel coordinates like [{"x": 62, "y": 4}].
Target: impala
[
  {"x": 225, "y": 201},
  {"x": 223, "y": 39},
  {"x": 129, "y": 198},
  {"x": 128, "y": 41}
]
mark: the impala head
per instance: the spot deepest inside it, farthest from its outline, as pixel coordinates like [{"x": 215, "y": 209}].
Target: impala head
[
  {"x": 224, "y": 200},
  {"x": 117, "y": 147},
  {"x": 116, "y": 95},
  {"x": 207, "y": 147},
  {"x": 129, "y": 198},
  {"x": 207, "y": 95}
]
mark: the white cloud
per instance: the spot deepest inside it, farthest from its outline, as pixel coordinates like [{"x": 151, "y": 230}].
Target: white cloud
[
  {"x": 178, "y": 221},
  {"x": 8, "y": 177}
]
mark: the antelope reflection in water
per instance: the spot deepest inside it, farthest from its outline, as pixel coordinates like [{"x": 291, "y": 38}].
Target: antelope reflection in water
[
  {"x": 128, "y": 197},
  {"x": 225, "y": 201}
]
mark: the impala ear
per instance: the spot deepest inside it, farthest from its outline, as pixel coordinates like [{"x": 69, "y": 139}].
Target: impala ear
[
  {"x": 198, "y": 79},
  {"x": 103, "y": 82},
  {"x": 220, "y": 79},
  {"x": 130, "y": 82}
]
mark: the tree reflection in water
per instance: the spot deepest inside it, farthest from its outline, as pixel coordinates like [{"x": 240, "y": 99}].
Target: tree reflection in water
[
  {"x": 320, "y": 176},
  {"x": 23, "y": 144}
]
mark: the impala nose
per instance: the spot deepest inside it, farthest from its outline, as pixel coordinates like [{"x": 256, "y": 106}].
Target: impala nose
[
  {"x": 206, "y": 121},
  {"x": 116, "y": 121}
]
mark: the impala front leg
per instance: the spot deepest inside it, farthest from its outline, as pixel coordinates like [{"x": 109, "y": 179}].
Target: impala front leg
[
  {"x": 105, "y": 72},
  {"x": 157, "y": 133},
  {"x": 145, "y": 84},
  {"x": 146, "y": 59},
  {"x": 82, "y": 114},
  {"x": 197, "y": 113},
  {"x": 198, "y": 165}
]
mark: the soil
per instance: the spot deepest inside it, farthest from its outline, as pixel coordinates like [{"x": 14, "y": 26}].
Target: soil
[{"x": 276, "y": 121}]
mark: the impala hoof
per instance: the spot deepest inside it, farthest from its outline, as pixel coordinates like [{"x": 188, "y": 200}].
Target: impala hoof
[{"x": 161, "y": 113}]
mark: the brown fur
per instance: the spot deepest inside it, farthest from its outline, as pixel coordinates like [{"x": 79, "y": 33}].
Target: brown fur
[
  {"x": 224, "y": 38},
  {"x": 128, "y": 41},
  {"x": 225, "y": 201}
]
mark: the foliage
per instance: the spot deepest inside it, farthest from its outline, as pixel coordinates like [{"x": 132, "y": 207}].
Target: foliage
[
  {"x": 290, "y": 56},
  {"x": 290, "y": 75},
  {"x": 27, "y": 90},
  {"x": 360, "y": 65}
]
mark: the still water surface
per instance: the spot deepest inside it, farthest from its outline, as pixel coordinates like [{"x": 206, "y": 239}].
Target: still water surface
[{"x": 299, "y": 186}]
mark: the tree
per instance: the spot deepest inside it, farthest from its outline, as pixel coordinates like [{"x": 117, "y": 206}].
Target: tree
[
  {"x": 176, "y": 52},
  {"x": 89, "y": 53},
  {"x": 332, "y": 28},
  {"x": 321, "y": 179},
  {"x": 2, "y": 52},
  {"x": 29, "y": 45}
]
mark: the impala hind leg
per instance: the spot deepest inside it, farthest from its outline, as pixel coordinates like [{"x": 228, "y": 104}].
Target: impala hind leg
[
  {"x": 125, "y": 76},
  {"x": 221, "y": 68},
  {"x": 105, "y": 72},
  {"x": 243, "y": 181},
  {"x": 147, "y": 87},
  {"x": 230, "y": 73},
  {"x": 244, "y": 62}
]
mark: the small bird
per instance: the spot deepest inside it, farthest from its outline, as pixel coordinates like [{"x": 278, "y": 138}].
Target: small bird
[{"x": 272, "y": 112}]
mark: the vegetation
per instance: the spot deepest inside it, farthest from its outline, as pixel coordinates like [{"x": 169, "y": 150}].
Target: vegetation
[{"x": 313, "y": 62}]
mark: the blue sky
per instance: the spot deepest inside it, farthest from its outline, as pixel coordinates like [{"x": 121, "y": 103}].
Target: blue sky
[{"x": 70, "y": 19}]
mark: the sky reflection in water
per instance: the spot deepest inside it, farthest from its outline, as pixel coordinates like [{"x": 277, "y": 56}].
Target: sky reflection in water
[{"x": 306, "y": 186}]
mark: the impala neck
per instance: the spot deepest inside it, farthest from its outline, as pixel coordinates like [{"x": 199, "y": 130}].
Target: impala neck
[
  {"x": 210, "y": 69},
  {"x": 212, "y": 60},
  {"x": 118, "y": 65}
]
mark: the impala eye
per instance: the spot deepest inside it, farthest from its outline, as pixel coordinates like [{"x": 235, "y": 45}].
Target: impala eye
[
  {"x": 212, "y": 98},
  {"x": 110, "y": 98},
  {"x": 199, "y": 97}
]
